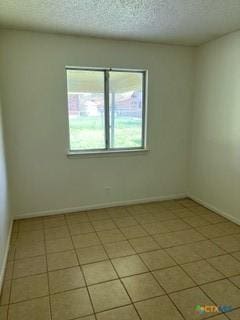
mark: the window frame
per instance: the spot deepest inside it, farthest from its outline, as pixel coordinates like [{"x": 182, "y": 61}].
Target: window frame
[{"x": 107, "y": 149}]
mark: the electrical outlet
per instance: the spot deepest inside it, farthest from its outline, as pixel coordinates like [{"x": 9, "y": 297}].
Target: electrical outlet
[{"x": 108, "y": 190}]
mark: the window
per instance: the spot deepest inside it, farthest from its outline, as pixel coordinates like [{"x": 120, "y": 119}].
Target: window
[{"x": 106, "y": 109}]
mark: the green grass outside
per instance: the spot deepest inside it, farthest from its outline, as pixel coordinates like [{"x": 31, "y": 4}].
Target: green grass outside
[{"x": 88, "y": 133}]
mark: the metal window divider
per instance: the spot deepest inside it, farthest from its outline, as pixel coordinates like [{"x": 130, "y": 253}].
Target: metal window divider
[{"x": 106, "y": 108}]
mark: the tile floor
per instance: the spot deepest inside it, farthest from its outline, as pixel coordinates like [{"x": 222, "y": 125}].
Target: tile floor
[{"x": 150, "y": 261}]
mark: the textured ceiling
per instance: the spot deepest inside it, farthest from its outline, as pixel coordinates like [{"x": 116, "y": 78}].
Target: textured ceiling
[{"x": 188, "y": 22}]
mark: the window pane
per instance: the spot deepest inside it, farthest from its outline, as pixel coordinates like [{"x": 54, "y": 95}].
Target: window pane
[
  {"x": 86, "y": 109},
  {"x": 125, "y": 112}
]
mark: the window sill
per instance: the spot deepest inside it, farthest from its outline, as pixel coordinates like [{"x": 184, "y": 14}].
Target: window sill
[{"x": 100, "y": 153}]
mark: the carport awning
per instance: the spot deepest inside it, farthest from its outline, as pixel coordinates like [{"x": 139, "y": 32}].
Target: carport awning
[{"x": 93, "y": 81}]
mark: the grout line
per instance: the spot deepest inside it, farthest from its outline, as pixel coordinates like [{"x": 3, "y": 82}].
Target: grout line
[
  {"x": 138, "y": 254},
  {"x": 13, "y": 261},
  {"x": 48, "y": 281},
  {"x": 120, "y": 278},
  {"x": 81, "y": 269}
]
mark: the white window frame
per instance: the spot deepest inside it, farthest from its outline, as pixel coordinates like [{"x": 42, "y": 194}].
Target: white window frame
[{"x": 107, "y": 149}]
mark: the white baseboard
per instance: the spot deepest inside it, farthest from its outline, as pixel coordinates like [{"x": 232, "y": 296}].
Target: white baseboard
[
  {"x": 5, "y": 258},
  {"x": 215, "y": 209},
  {"x": 98, "y": 206}
]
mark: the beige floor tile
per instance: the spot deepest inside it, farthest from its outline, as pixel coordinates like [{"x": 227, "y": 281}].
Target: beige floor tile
[
  {"x": 236, "y": 255},
  {"x": 109, "y": 236},
  {"x": 127, "y": 266},
  {"x": 11, "y": 252},
  {"x": 158, "y": 308},
  {"x": 31, "y": 236},
  {"x": 187, "y": 300},
  {"x": 190, "y": 235},
  {"x": 9, "y": 271},
  {"x": 230, "y": 227},
  {"x": 119, "y": 249},
  {"x": 28, "y": 250},
  {"x": 5, "y": 293},
  {"x": 125, "y": 222},
  {"x": 3, "y": 312},
  {"x": 169, "y": 222},
  {"x": 65, "y": 279},
  {"x": 58, "y": 245},
  {"x": 219, "y": 230},
  {"x": 73, "y": 218},
  {"x": 134, "y": 232},
  {"x": 164, "y": 216},
  {"x": 99, "y": 272},
  {"x": 145, "y": 218},
  {"x": 155, "y": 209},
  {"x": 155, "y": 228},
  {"x": 202, "y": 272},
  {"x": 144, "y": 244},
  {"x": 211, "y": 231},
  {"x": 94, "y": 254},
  {"x": 36, "y": 309},
  {"x": 85, "y": 240},
  {"x": 153, "y": 206},
  {"x": 178, "y": 238},
  {"x": 223, "y": 292},
  {"x": 162, "y": 207},
  {"x": 157, "y": 260},
  {"x": 229, "y": 243},
  {"x": 108, "y": 295},
  {"x": 61, "y": 260},
  {"x": 201, "y": 210},
  {"x": 13, "y": 238},
  {"x": 26, "y": 226},
  {"x": 29, "y": 287},
  {"x": 70, "y": 304},
  {"x": 213, "y": 218},
  {"x": 122, "y": 313},
  {"x": 29, "y": 266},
  {"x": 183, "y": 254},
  {"x": 226, "y": 264},
  {"x": 184, "y": 213},
  {"x": 136, "y": 209},
  {"x": 234, "y": 315},
  {"x": 173, "y": 279},
  {"x": 33, "y": 219},
  {"x": 118, "y": 212},
  {"x": 197, "y": 221},
  {"x": 188, "y": 203},
  {"x": 54, "y": 222},
  {"x": 176, "y": 225},
  {"x": 171, "y": 204},
  {"x": 99, "y": 214},
  {"x": 165, "y": 205},
  {"x": 57, "y": 233},
  {"x": 142, "y": 286},
  {"x": 101, "y": 225},
  {"x": 236, "y": 280},
  {"x": 206, "y": 249},
  {"x": 80, "y": 228}
]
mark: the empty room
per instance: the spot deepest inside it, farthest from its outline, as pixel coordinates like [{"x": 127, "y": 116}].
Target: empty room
[{"x": 120, "y": 160}]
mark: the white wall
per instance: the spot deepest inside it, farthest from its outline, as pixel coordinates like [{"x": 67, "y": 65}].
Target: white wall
[
  {"x": 215, "y": 157},
  {"x": 33, "y": 83},
  {"x": 5, "y": 219}
]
